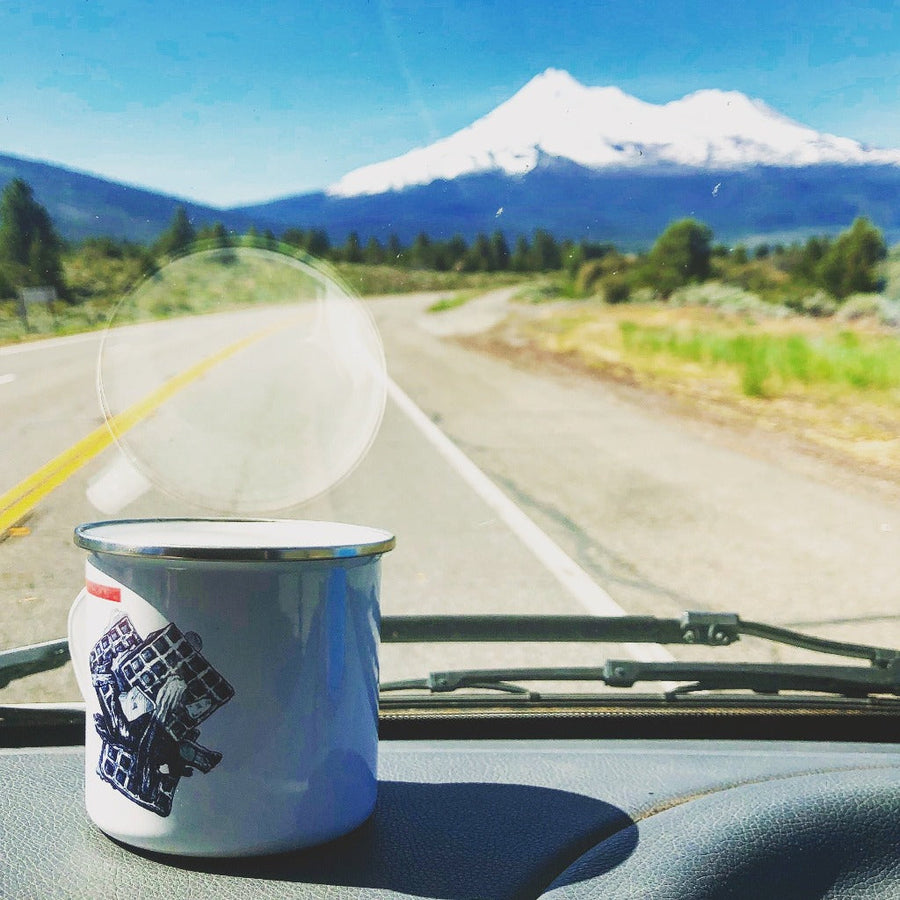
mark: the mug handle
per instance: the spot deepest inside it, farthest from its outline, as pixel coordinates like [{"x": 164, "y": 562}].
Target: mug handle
[{"x": 77, "y": 649}]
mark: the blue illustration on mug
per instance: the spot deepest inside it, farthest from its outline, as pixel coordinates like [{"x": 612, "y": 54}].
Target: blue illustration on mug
[{"x": 154, "y": 692}]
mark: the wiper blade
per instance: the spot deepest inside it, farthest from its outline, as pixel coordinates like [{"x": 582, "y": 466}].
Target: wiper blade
[
  {"x": 762, "y": 678},
  {"x": 22, "y": 661},
  {"x": 765, "y": 678},
  {"x": 693, "y": 628},
  {"x": 882, "y": 676}
]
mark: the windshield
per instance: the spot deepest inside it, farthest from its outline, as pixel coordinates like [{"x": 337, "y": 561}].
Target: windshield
[{"x": 595, "y": 307}]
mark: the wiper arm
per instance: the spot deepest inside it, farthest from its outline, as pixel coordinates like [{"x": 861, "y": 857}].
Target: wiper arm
[
  {"x": 693, "y": 628},
  {"x": 765, "y": 678},
  {"x": 22, "y": 661}
]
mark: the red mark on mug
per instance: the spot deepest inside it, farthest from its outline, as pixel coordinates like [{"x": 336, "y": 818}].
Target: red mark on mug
[{"x": 104, "y": 591}]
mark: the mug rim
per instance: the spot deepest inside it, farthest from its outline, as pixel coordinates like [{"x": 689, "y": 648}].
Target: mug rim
[{"x": 226, "y": 539}]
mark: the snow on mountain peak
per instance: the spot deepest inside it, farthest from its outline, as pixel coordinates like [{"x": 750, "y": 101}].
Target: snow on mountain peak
[
  {"x": 554, "y": 115},
  {"x": 554, "y": 87}
]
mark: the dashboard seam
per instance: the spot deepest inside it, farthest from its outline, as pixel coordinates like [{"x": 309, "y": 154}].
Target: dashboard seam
[
  {"x": 679, "y": 801},
  {"x": 637, "y": 817}
]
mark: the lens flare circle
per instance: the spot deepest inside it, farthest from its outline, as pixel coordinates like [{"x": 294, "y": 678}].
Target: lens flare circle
[{"x": 242, "y": 379}]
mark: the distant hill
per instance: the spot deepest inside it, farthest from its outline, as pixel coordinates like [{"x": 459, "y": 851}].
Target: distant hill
[
  {"x": 85, "y": 205},
  {"x": 629, "y": 209},
  {"x": 622, "y": 206}
]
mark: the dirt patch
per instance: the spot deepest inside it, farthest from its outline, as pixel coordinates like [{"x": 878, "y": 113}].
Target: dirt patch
[{"x": 785, "y": 428}]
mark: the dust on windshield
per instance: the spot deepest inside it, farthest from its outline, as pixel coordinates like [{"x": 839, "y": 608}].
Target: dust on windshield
[{"x": 588, "y": 340}]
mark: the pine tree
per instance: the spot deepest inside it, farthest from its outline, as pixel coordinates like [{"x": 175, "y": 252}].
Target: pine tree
[
  {"x": 30, "y": 249},
  {"x": 352, "y": 251},
  {"x": 521, "y": 258},
  {"x": 178, "y": 236},
  {"x": 545, "y": 252},
  {"x": 373, "y": 255},
  {"x": 500, "y": 254},
  {"x": 394, "y": 253},
  {"x": 456, "y": 251},
  {"x": 478, "y": 259},
  {"x": 318, "y": 243},
  {"x": 421, "y": 254}
]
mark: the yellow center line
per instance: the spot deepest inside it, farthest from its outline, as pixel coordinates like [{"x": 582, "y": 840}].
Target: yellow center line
[{"x": 21, "y": 499}]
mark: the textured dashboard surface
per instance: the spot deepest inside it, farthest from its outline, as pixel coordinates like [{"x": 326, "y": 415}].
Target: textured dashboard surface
[
  {"x": 485, "y": 819},
  {"x": 830, "y": 835}
]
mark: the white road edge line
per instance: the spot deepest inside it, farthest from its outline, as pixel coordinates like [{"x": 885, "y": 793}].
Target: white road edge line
[
  {"x": 572, "y": 576},
  {"x": 48, "y": 343}
]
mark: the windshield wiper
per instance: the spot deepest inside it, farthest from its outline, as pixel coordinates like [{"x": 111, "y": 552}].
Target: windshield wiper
[
  {"x": 691, "y": 629},
  {"x": 22, "y": 661},
  {"x": 882, "y": 676},
  {"x": 762, "y": 678}
]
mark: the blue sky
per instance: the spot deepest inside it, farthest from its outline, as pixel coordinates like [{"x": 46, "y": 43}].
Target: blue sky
[{"x": 235, "y": 102}]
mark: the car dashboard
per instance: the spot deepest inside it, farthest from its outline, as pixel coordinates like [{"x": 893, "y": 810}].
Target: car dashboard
[{"x": 510, "y": 805}]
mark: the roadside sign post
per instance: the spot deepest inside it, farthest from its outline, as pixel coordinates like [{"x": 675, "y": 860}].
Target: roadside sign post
[{"x": 35, "y": 296}]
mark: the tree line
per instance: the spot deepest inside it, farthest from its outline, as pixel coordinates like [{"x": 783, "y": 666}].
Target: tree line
[
  {"x": 485, "y": 253},
  {"x": 685, "y": 254},
  {"x": 31, "y": 254}
]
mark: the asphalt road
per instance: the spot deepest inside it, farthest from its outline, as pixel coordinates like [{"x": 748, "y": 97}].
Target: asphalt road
[{"x": 553, "y": 494}]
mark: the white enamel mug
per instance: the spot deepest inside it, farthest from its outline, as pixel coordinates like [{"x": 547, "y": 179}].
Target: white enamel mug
[{"x": 230, "y": 675}]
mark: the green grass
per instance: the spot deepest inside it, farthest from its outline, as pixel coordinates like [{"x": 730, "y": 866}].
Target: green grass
[
  {"x": 453, "y": 302},
  {"x": 60, "y": 319},
  {"x": 218, "y": 280},
  {"x": 769, "y": 362},
  {"x": 545, "y": 290},
  {"x": 191, "y": 285},
  {"x": 373, "y": 280}
]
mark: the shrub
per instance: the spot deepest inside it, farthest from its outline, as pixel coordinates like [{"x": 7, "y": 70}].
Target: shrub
[
  {"x": 860, "y": 306},
  {"x": 849, "y": 265},
  {"x": 680, "y": 255},
  {"x": 818, "y": 304},
  {"x": 589, "y": 276},
  {"x": 616, "y": 288}
]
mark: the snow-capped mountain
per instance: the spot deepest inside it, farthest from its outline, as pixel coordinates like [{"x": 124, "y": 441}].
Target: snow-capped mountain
[
  {"x": 602, "y": 128},
  {"x": 579, "y": 162}
]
